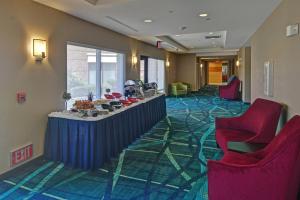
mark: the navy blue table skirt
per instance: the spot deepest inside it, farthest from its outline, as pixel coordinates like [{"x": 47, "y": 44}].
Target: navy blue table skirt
[{"x": 89, "y": 144}]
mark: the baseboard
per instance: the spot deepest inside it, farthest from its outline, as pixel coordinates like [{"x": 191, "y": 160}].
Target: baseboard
[{"x": 20, "y": 165}]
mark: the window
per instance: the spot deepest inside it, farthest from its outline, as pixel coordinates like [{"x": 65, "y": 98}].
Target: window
[
  {"x": 93, "y": 70},
  {"x": 153, "y": 70},
  {"x": 142, "y": 70},
  {"x": 156, "y": 73},
  {"x": 112, "y": 71}
]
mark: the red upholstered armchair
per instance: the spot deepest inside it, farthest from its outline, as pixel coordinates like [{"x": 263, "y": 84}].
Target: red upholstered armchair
[
  {"x": 230, "y": 91},
  {"x": 257, "y": 125},
  {"x": 272, "y": 173}
]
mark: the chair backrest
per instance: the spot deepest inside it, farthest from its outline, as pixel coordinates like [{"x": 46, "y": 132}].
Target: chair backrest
[
  {"x": 282, "y": 158},
  {"x": 235, "y": 85},
  {"x": 262, "y": 118},
  {"x": 235, "y": 82},
  {"x": 187, "y": 84},
  {"x": 231, "y": 78}
]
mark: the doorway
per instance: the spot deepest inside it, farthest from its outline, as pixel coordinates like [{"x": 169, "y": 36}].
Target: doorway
[
  {"x": 215, "y": 74},
  {"x": 215, "y": 70}
]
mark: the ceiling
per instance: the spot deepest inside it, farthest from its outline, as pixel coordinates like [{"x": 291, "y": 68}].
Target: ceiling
[
  {"x": 234, "y": 20},
  {"x": 199, "y": 40}
]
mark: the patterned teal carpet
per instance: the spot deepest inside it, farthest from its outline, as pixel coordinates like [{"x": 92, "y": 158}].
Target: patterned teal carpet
[{"x": 169, "y": 162}]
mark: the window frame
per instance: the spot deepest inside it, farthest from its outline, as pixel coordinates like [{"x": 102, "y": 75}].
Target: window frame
[
  {"x": 146, "y": 59},
  {"x": 99, "y": 93}
]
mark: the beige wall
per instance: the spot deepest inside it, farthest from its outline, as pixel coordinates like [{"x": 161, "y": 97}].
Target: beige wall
[
  {"x": 186, "y": 70},
  {"x": 171, "y": 70},
  {"x": 44, "y": 83},
  {"x": 269, "y": 43},
  {"x": 201, "y": 73},
  {"x": 244, "y": 72}
]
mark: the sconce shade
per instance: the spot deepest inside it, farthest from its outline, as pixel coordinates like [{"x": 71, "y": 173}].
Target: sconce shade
[
  {"x": 134, "y": 60},
  {"x": 168, "y": 63},
  {"x": 39, "y": 48}
]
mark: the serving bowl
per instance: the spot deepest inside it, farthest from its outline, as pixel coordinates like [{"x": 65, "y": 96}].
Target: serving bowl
[{"x": 133, "y": 100}]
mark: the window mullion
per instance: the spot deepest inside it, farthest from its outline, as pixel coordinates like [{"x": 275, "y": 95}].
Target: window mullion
[{"x": 98, "y": 74}]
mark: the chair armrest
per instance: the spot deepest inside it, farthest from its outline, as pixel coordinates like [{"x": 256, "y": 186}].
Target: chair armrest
[
  {"x": 183, "y": 87},
  {"x": 189, "y": 86},
  {"x": 174, "y": 89}
]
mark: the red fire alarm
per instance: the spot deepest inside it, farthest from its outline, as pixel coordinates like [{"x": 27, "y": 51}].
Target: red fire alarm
[{"x": 21, "y": 97}]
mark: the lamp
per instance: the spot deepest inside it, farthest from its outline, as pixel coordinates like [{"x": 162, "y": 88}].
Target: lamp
[
  {"x": 134, "y": 60},
  {"x": 39, "y": 49},
  {"x": 168, "y": 63}
]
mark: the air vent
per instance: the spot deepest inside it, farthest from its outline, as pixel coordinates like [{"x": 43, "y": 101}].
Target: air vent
[
  {"x": 93, "y": 2},
  {"x": 213, "y": 37},
  {"x": 105, "y": 2},
  {"x": 121, "y": 23}
]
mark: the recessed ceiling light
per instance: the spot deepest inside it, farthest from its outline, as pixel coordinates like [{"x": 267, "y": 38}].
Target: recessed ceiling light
[
  {"x": 177, "y": 35},
  {"x": 203, "y": 15},
  {"x": 148, "y": 21},
  {"x": 211, "y": 33}
]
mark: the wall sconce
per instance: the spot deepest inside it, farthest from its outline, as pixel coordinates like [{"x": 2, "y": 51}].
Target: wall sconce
[
  {"x": 168, "y": 63},
  {"x": 134, "y": 60},
  {"x": 39, "y": 49},
  {"x": 201, "y": 65},
  {"x": 238, "y": 63}
]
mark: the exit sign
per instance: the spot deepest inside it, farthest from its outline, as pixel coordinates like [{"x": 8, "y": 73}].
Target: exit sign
[{"x": 21, "y": 155}]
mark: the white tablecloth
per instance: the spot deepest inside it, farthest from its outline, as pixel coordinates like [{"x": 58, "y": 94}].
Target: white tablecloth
[{"x": 76, "y": 116}]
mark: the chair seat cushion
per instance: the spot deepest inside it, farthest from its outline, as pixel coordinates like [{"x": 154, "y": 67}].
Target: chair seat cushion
[
  {"x": 239, "y": 159},
  {"x": 228, "y": 135}
]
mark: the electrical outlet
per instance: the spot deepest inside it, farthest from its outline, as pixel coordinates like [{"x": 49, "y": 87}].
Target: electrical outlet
[{"x": 292, "y": 30}]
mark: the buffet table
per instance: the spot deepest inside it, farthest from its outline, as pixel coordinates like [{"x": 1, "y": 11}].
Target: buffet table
[{"x": 87, "y": 143}]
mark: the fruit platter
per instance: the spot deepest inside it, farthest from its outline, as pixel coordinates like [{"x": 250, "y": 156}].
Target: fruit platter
[
  {"x": 99, "y": 102},
  {"x": 84, "y": 105}
]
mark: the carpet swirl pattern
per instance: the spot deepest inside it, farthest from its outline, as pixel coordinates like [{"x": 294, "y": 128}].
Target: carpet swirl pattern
[{"x": 168, "y": 162}]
